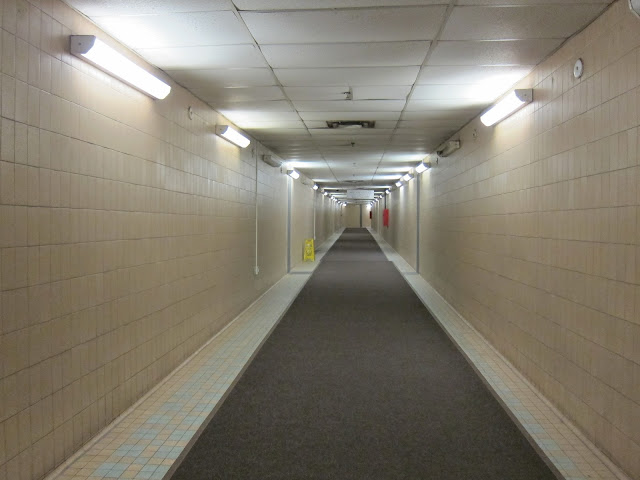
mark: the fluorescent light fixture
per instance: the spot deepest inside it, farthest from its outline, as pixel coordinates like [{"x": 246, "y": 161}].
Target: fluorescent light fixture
[
  {"x": 399, "y": 183},
  {"x": 315, "y": 187},
  {"x": 269, "y": 160},
  {"x": 325, "y": 193},
  {"x": 293, "y": 174},
  {"x": 232, "y": 135},
  {"x": 505, "y": 107},
  {"x": 387, "y": 191},
  {"x": 106, "y": 58},
  {"x": 407, "y": 177},
  {"x": 448, "y": 148},
  {"x": 423, "y": 167}
]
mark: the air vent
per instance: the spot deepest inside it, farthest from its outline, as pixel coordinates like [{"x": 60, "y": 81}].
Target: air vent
[{"x": 351, "y": 123}]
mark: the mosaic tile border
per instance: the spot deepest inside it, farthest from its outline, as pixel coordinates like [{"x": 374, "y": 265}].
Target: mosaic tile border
[{"x": 567, "y": 451}]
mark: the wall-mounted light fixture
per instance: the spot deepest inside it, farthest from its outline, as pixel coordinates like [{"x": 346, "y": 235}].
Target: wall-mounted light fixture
[
  {"x": 407, "y": 177},
  {"x": 508, "y": 105},
  {"x": 293, "y": 174},
  {"x": 399, "y": 183},
  {"x": 98, "y": 53},
  {"x": 325, "y": 193},
  {"x": 422, "y": 167},
  {"x": 387, "y": 191},
  {"x": 269, "y": 160},
  {"x": 315, "y": 186},
  {"x": 448, "y": 148},
  {"x": 232, "y": 135}
]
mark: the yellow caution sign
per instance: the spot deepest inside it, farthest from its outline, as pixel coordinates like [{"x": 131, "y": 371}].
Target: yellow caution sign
[{"x": 309, "y": 251}]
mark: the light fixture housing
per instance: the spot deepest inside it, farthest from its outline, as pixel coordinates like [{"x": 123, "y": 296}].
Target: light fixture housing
[
  {"x": 422, "y": 167},
  {"x": 399, "y": 183},
  {"x": 387, "y": 191},
  {"x": 98, "y": 53},
  {"x": 315, "y": 186},
  {"x": 232, "y": 135},
  {"x": 448, "y": 148},
  {"x": 293, "y": 174},
  {"x": 407, "y": 177},
  {"x": 269, "y": 160},
  {"x": 508, "y": 105}
]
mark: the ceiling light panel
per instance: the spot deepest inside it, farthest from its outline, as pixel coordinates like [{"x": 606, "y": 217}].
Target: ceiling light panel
[
  {"x": 346, "y": 54},
  {"x": 499, "y": 52},
  {"x": 334, "y": 26},
  {"x": 309, "y": 77},
  {"x": 92, "y": 8},
  {"x": 217, "y": 78},
  {"x": 206, "y": 57},
  {"x": 518, "y": 22},
  {"x": 176, "y": 29}
]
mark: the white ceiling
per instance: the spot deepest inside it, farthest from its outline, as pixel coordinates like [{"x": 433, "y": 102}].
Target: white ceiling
[{"x": 279, "y": 69}]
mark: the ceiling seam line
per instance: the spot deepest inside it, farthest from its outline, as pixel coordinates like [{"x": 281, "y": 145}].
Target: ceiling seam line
[
  {"x": 279, "y": 84},
  {"x": 432, "y": 46}
]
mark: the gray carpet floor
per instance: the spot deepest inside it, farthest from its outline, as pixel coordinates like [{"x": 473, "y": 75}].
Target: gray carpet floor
[{"x": 359, "y": 382}]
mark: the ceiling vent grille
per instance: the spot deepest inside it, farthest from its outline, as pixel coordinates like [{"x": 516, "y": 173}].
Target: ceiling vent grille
[{"x": 351, "y": 123}]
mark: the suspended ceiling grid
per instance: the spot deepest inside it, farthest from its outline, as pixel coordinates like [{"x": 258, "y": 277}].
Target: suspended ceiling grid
[{"x": 279, "y": 69}]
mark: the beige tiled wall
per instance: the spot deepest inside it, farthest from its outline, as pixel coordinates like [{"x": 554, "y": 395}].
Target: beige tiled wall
[
  {"x": 532, "y": 232},
  {"x": 403, "y": 220},
  {"x": 127, "y": 237},
  {"x": 352, "y": 216},
  {"x": 328, "y": 218}
]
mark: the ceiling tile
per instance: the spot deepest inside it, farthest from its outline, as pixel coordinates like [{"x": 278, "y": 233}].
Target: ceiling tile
[
  {"x": 315, "y": 5},
  {"x": 429, "y": 123},
  {"x": 176, "y": 29},
  {"x": 349, "y": 106},
  {"x": 307, "y": 77},
  {"x": 267, "y": 106},
  {"x": 445, "y": 104},
  {"x": 339, "y": 25},
  {"x": 223, "y": 96},
  {"x": 316, "y": 93},
  {"x": 518, "y": 22},
  {"x": 253, "y": 125},
  {"x": 468, "y": 75},
  {"x": 530, "y": 2},
  {"x": 505, "y": 52},
  {"x": 92, "y": 8},
  {"x": 349, "y": 116},
  {"x": 452, "y": 114},
  {"x": 481, "y": 94},
  {"x": 381, "y": 92},
  {"x": 225, "y": 56},
  {"x": 346, "y": 54},
  {"x": 244, "y": 117},
  {"x": 223, "y": 77}
]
